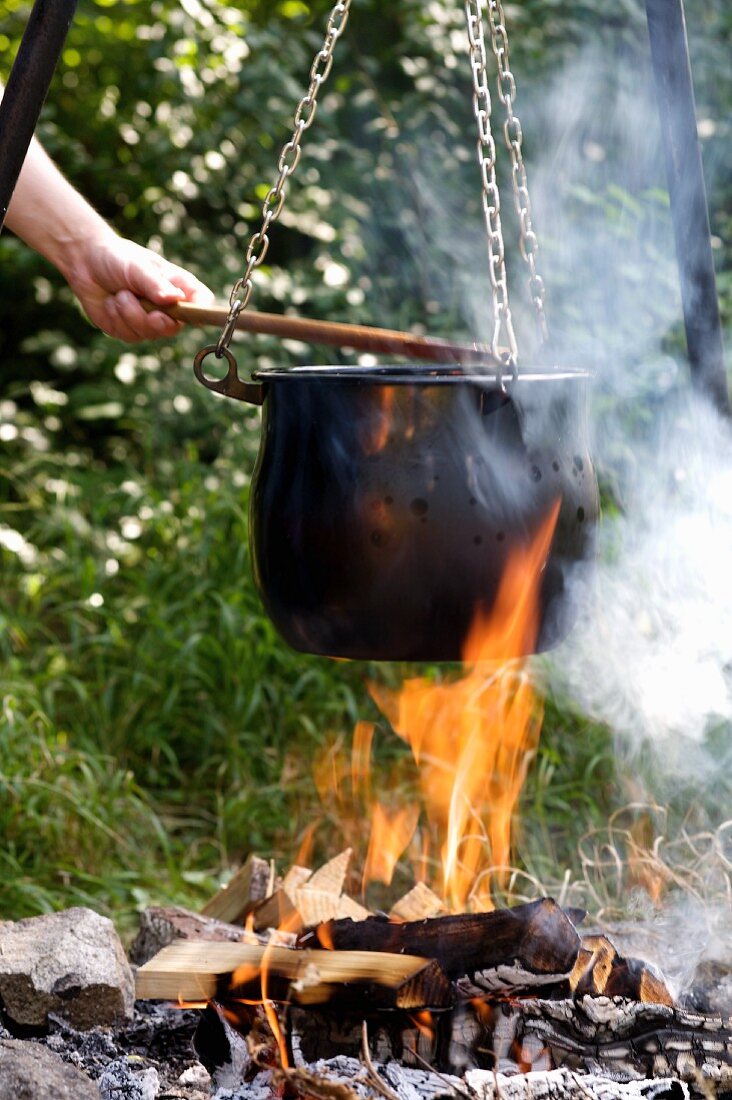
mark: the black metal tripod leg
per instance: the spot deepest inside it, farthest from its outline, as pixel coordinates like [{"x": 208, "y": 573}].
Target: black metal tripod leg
[
  {"x": 27, "y": 86},
  {"x": 689, "y": 211}
]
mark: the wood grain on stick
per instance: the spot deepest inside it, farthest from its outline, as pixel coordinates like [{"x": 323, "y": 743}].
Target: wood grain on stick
[{"x": 335, "y": 334}]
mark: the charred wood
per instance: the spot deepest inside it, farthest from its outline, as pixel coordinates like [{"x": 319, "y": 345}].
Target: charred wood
[
  {"x": 527, "y": 945},
  {"x": 601, "y": 971},
  {"x": 625, "y": 1038}
]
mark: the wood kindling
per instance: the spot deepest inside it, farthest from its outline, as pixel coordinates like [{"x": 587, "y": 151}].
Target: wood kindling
[
  {"x": 194, "y": 972},
  {"x": 248, "y": 886},
  {"x": 418, "y": 903}
]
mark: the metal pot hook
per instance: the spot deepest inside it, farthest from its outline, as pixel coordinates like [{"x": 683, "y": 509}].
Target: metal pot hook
[{"x": 231, "y": 384}]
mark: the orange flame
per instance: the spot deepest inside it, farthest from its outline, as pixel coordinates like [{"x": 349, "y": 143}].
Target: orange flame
[
  {"x": 363, "y": 739},
  {"x": 472, "y": 738},
  {"x": 390, "y": 836},
  {"x": 424, "y": 1023}
]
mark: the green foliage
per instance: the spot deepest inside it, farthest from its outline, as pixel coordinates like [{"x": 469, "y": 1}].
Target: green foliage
[{"x": 153, "y": 727}]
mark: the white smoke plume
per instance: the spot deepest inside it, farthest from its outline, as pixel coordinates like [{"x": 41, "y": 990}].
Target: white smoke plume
[{"x": 651, "y": 655}]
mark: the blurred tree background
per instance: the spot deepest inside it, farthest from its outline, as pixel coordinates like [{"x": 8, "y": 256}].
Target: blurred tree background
[{"x": 153, "y": 728}]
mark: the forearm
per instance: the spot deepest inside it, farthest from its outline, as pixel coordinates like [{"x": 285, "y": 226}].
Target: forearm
[
  {"x": 108, "y": 274},
  {"x": 50, "y": 216}
]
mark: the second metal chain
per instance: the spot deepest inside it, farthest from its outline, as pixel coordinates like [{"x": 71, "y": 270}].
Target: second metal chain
[
  {"x": 482, "y": 107},
  {"x": 513, "y": 136},
  {"x": 289, "y": 159}
]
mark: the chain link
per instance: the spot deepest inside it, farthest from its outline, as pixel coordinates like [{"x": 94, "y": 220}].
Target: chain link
[
  {"x": 513, "y": 137},
  {"x": 482, "y": 108},
  {"x": 291, "y": 153},
  {"x": 289, "y": 159}
]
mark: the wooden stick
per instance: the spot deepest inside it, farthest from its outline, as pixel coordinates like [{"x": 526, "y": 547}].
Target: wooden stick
[
  {"x": 380, "y": 341},
  {"x": 195, "y": 971}
]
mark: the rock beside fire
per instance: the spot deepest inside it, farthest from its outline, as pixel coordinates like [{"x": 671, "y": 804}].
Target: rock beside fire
[
  {"x": 30, "y": 1070},
  {"x": 71, "y": 964}
]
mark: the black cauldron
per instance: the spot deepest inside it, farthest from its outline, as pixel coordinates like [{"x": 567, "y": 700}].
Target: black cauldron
[{"x": 386, "y": 501}]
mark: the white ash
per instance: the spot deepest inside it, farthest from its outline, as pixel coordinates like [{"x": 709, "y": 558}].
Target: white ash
[
  {"x": 197, "y": 1076},
  {"x": 410, "y": 1084},
  {"x": 504, "y": 977},
  {"x": 416, "y": 1084},
  {"x": 129, "y": 1079},
  {"x": 560, "y": 1084}
]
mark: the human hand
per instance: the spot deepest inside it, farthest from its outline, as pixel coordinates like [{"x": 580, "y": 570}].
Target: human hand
[{"x": 109, "y": 275}]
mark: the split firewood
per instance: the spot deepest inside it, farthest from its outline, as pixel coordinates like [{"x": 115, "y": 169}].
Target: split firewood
[
  {"x": 280, "y": 909},
  {"x": 310, "y": 897},
  {"x": 600, "y": 970},
  {"x": 331, "y": 877},
  {"x": 318, "y": 900},
  {"x": 295, "y": 878},
  {"x": 507, "y": 948},
  {"x": 249, "y": 885},
  {"x": 419, "y": 904},
  {"x": 195, "y": 972},
  {"x": 317, "y": 907},
  {"x": 348, "y": 908}
]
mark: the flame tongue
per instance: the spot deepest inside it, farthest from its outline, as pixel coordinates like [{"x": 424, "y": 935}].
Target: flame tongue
[{"x": 472, "y": 739}]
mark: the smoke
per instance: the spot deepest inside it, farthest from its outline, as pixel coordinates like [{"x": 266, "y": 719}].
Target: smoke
[{"x": 651, "y": 655}]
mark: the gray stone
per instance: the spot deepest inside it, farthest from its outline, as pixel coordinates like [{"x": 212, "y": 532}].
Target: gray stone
[
  {"x": 71, "y": 964},
  {"x": 30, "y": 1072}
]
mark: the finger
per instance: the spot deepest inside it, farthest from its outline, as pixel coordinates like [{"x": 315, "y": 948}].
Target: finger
[
  {"x": 114, "y": 325},
  {"x": 146, "y": 326}
]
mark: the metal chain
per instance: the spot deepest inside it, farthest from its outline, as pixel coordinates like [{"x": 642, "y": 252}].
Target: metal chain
[
  {"x": 289, "y": 159},
  {"x": 482, "y": 107},
  {"x": 513, "y": 136}
]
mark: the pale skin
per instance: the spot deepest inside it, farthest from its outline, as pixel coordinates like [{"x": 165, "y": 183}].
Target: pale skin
[{"x": 108, "y": 274}]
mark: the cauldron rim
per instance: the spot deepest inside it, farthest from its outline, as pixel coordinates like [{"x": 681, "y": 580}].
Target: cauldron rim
[{"x": 424, "y": 374}]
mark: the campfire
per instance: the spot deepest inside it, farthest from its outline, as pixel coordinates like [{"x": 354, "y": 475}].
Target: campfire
[{"x": 303, "y": 987}]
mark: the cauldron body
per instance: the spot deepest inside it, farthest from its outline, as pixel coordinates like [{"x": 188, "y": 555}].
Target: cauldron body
[{"x": 386, "y": 502}]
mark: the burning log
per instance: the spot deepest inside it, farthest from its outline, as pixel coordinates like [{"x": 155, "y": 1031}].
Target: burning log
[
  {"x": 196, "y": 972},
  {"x": 524, "y": 946}
]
